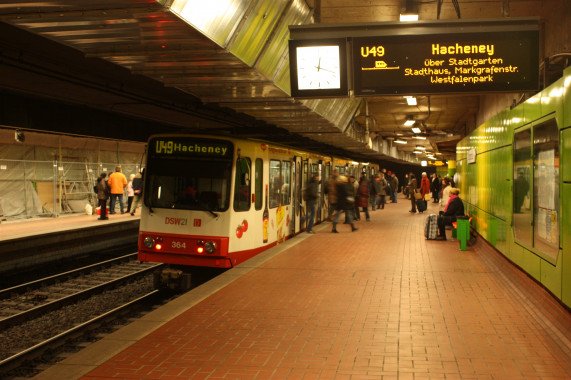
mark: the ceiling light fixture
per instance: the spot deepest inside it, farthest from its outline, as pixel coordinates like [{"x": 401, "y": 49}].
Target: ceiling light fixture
[
  {"x": 410, "y": 100},
  {"x": 408, "y": 17},
  {"x": 420, "y": 147},
  {"x": 399, "y": 141},
  {"x": 419, "y": 137},
  {"x": 409, "y": 122},
  {"x": 416, "y": 130},
  {"x": 417, "y": 152}
]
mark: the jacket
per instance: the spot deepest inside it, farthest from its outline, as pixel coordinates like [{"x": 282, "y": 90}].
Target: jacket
[
  {"x": 102, "y": 189},
  {"x": 117, "y": 182},
  {"x": 455, "y": 208}
]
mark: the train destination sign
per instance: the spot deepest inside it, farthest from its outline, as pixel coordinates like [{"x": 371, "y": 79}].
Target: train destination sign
[
  {"x": 179, "y": 147},
  {"x": 446, "y": 63}
]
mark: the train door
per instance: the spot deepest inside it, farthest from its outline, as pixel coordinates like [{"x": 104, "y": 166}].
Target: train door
[
  {"x": 304, "y": 178},
  {"x": 297, "y": 196},
  {"x": 315, "y": 168},
  {"x": 296, "y": 217}
]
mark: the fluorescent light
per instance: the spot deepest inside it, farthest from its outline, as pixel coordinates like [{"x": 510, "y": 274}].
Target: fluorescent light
[
  {"x": 409, "y": 122},
  {"x": 410, "y": 100},
  {"x": 409, "y": 17},
  {"x": 420, "y": 147},
  {"x": 398, "y": 141},
  {"x": 419, "y": 137},
  {"x": 417, "y": 152},
  {"x": 416, "y": 130}
]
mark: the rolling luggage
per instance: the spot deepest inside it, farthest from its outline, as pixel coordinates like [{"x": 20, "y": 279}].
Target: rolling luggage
[
  {"x": 421, "y": 205},
  {"x": 431, "y": 227}
]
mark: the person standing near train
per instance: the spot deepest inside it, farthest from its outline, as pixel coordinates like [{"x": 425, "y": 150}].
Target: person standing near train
[
  {"x": 394, "y": 183},
  {"x": 345, "y": 201},
  {"x": 138, "y": 191},
  {"x": 331, "y": 191},
  {"x": 363, "y": 196},
  {"x": 117, "y": 183},
  {"x": 312, "y": 194}
]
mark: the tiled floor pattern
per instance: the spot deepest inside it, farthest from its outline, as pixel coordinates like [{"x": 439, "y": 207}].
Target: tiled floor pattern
[{"x": 378, "y": 303}]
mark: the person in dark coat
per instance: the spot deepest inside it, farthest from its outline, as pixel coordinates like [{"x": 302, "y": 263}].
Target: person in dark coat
[
  {"x": 102, "y": 195},
  {"x": 363, "y": 196},
  {"x": 345, "y": 201},
  {"x": 454, "y": 208},
  {"x": 312, "y": 194},
  {"x": 411, "y": 190},
  {"x": 138, "y": 191}
]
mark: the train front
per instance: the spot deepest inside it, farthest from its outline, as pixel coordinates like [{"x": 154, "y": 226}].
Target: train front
[{"x": 186, "y": 196}]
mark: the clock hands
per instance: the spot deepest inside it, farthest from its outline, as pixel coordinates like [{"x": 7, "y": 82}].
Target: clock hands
[{"x": 318, "y": 67}]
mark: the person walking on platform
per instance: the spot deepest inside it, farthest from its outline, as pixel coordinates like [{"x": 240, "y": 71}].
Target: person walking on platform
[
  {"x": 362, "y": 199},
  {"x": 102, "y": 196},
  {"x": 445, "y": 193},
  {"x": 454, "y": 208},
  {"x": 355, "y": 184},
  {"x": 394, "y": 183},
  {"x": 312, "y": 194},
  {"x": 345, "y": 201},
  {"x": 331, "y": 191},
  {"x": 117, "y": 183},
  {"x": 411, "y": 191},
  {"x": 137, "y": 191},
  {"x": 424, "y": 186}
]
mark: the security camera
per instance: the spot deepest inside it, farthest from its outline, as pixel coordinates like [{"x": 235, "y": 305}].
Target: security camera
[{"x": 19, "y": 136}]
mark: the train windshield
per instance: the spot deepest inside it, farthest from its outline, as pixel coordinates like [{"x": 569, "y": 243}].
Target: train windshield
[{"x": 188, "y": 184}]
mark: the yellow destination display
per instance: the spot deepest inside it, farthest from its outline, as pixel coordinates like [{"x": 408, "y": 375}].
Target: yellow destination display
[
  {"x": 177, "y": 147},
  {"x": 446, "y": 63}
]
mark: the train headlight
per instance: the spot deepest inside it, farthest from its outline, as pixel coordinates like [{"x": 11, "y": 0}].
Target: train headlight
[
  {"x": 149, "y": 242},
  {"x": 210, "y": 247}
]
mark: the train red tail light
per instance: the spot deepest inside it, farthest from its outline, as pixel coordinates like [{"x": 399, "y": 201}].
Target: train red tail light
[{"x": 200, "y": 250}]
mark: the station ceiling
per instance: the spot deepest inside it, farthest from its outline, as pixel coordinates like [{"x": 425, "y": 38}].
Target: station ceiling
[{"x": 219, "y": 55}]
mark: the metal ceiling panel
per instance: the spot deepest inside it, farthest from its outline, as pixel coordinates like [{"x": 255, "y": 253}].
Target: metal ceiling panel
[{"x": 230, "y": 52}]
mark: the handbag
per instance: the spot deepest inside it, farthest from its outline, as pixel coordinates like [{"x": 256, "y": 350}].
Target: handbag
[
  {"x": 417, "y": 195},
  {"x": 427, "y": 196}
]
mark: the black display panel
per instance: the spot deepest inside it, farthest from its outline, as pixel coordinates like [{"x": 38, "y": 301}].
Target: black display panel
[
  {"x": 446, "y": 63},
  {"x": 175, "y": 147}
]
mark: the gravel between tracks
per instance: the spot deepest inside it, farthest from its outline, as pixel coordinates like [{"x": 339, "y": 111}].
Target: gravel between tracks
[{"x": 17, "y": 338}]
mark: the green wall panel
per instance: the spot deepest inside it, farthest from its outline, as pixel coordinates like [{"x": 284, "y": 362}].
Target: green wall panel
[
  {"x": 566, "y": 243},
  {"x": 551, "y": 276},
  {"x": 565, "y": 155}
]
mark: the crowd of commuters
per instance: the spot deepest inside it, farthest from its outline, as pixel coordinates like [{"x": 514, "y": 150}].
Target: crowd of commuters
[
  {"x": 114, "y": 188},
  {"x": 352, "y": 197}
]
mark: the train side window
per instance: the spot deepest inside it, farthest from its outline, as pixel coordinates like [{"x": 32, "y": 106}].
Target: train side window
[
  {"x": 286, "y": 186},
  {"x": 276, "y": 182},
  {"x": 242, "y": 188},
  {"x": 259, "y": 184}
]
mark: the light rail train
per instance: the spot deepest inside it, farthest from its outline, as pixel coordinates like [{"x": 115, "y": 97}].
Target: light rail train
[{"x": 215, "y": 201}]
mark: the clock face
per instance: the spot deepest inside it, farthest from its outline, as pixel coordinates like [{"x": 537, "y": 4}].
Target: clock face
[{"x": 318, "y": 67}]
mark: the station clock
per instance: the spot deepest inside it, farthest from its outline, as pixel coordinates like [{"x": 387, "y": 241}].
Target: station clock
[{"x": 318, "y": 68}]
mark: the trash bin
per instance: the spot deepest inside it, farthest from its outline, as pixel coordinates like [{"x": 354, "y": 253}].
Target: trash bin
[{"x": 463, "y": 231}]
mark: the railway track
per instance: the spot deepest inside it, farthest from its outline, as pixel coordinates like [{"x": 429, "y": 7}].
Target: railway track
[{"x": 38, "y": 316}]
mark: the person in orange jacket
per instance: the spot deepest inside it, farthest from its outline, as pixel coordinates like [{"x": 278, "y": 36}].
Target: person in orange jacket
[{"x": 117, "y": 183}]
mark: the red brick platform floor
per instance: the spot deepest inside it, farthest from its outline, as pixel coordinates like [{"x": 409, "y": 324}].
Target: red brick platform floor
[{"x": 378, "y": 303}]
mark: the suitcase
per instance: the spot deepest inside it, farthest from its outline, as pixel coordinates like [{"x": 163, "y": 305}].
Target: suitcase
[
  {"x": 431, "y": 227},
  {"x": 421, "y": 205}
]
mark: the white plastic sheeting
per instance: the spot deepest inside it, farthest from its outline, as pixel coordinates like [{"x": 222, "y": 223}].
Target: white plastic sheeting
[{"x": 50, "y": 174}]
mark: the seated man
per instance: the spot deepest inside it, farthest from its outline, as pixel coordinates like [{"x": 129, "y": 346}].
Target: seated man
[{"x": 453, "y": 209}]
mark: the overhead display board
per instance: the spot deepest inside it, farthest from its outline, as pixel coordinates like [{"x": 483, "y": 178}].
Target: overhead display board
[
  {"x": 425, "y": 57},
  {"x": 442, "y": 63}
]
